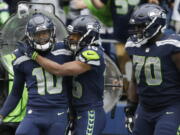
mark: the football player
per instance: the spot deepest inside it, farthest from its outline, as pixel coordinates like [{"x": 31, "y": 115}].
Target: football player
[
  {"x": 156, "y": 78},
  {"x": 47, "y": 94},
  {"x": 87, "y": 69}
]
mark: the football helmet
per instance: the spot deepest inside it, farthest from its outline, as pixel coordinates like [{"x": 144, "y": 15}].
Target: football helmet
[
  {"x": 40, "y": 31},
  {"x": 87, "y": 28},
  {"x": 146, "y": 22}
]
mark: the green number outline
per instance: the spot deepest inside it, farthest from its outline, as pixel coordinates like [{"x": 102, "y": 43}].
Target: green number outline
[
  {"x": 46, "y": 82},
  {"x": 142, "y": 62}
]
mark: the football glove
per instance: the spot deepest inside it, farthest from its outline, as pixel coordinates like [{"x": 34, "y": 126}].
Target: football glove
[
  {"x": 27, "y": 50},
  {"x": 129, "y": 115}
]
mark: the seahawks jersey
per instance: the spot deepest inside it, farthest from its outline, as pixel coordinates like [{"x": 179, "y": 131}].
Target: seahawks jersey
[
  {"x": 157, "y": 77},
  {"x": 45, "y": 90},
  {"x": 88, "y": 87}
]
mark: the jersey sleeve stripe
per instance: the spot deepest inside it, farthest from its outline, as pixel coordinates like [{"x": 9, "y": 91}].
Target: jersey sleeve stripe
[
  {"x": 131, "y": 44},
  {"x": 173, "y": 42},
  {"x": 61, "y": 52},
  {"x": 96, "y": 63},
  {"x": 20, "y": 60}
]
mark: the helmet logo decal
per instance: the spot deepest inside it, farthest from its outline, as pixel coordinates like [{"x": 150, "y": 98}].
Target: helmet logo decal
[
  {"x": 70, "y": 28},
  {"x": 132, "y": 21},
  {"x": 40, "y": 28},
  {"x": 154, "y": 13},
  {"x": 89, "y": 26}
]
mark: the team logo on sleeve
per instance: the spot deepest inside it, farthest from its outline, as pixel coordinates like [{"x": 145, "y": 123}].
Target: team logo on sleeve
[{"x": 90, "y": 55}]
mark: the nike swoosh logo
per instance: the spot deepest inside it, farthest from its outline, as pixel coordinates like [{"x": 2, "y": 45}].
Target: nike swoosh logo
[
  {"x": 79, "y": 117},
  {"x": 169, "y": 113},
  {"x": 30, "y": 111},
  {"x": 60, "y": 113},
  {"x": 90, "y": 54}
]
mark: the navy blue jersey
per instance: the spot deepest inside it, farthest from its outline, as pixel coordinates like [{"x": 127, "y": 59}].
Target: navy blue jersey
[
  {"x": 89, "y": 86},
  {"x": 121, "y": 11},
  {"x": 158, "y": 79},
  {"x": 44, "y": 89}
]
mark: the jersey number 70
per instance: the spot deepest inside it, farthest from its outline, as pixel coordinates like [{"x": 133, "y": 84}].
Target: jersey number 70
[{"x": 150, "y": 67}]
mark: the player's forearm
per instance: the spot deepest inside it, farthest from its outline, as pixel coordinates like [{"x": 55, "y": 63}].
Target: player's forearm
[
  {"x": 132, "y": 93},
  {"x": 15, "y": 95},
  {"x": 132, "y": 90},
  {"x": 97, "y": 3},
  {"x": 10, "y": 103},
  {"x": 49, "y": 65},
  {"x": 66, "y": 69}
]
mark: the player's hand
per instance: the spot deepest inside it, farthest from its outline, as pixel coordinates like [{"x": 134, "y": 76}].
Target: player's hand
[
  {"x": 27, "y": 50},
  {"x": 129, "y": 112},
  {"x": 129, "y": 123}
]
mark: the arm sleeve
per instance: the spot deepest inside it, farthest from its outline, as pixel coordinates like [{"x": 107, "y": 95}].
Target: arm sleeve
[{"x": 16, "y": 93}]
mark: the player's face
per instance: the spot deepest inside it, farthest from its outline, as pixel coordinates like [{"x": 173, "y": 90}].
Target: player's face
[
  {"x": 73, "y": 40},
  {"x": 42, "y": 37},
  {"x": 74, "y": 37},
  {"x": 137, "y": 30}
]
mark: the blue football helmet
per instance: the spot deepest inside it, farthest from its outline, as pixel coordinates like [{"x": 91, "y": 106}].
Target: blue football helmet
[
  {"x": 40, "y": 31},
  {"x": 146, "y": 22},
  {"x": 87, "y": 27}
]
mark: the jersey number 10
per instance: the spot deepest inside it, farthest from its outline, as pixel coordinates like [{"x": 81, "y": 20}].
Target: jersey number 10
[{"x": 46, "y": 82}]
